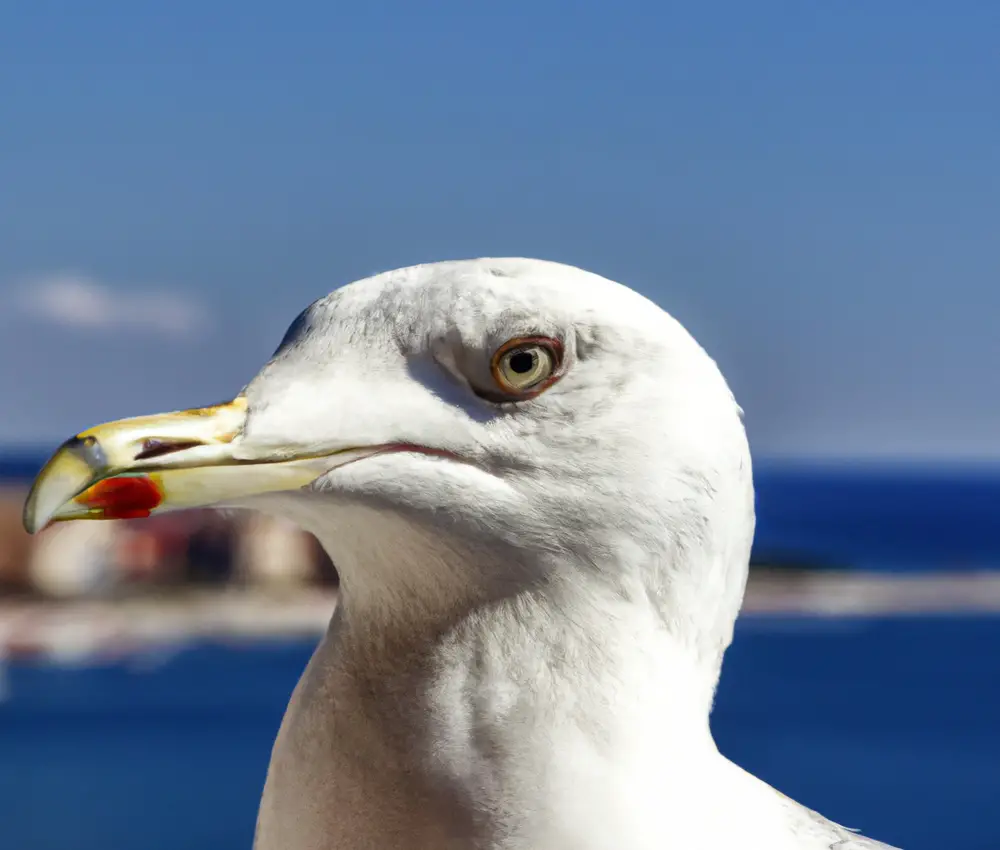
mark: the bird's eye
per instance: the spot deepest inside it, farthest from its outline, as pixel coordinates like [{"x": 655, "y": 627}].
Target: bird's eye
[{"x": 525, "y": 366}]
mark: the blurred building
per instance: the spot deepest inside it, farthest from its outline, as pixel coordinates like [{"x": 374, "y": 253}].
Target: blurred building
[
  {"x": 15, "y": 544},
  {"x": 176, "y": 551}
]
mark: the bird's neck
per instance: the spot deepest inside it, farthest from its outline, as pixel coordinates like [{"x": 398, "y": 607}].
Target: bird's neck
[
  {"x": 557, "y": 710},
  {"x": 423, "y": 608}
]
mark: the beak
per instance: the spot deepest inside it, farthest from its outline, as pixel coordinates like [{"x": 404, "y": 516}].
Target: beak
[{"x": 133, "y": 467}]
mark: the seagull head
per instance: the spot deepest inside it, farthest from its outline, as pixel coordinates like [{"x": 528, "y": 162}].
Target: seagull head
[{"x": 538, "y": 422}]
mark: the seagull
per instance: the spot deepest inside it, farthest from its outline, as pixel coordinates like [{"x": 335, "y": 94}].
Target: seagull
[{"x": 537, "y": 489}]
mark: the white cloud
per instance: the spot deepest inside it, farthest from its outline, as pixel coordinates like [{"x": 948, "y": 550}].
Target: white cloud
[{"x": 77, "y": 301}]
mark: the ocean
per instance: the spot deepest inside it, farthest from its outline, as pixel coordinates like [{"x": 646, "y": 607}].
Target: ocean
[{"x": 888, "y": 725}]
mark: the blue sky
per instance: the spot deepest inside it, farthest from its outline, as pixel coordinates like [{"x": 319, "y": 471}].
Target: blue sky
[{"x": 812, "y": 188}]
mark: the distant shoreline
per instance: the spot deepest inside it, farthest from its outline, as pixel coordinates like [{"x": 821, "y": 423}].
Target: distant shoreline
[
  {"x": 87, "y": 629},
  {"x": 881, "y": 515}
]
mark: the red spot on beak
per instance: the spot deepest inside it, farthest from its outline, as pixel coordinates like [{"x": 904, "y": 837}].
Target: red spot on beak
[{"x": 132, "y": 497}]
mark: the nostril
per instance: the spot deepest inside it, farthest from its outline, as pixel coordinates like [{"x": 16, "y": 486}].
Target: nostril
[{"x": 153, "y": 447}]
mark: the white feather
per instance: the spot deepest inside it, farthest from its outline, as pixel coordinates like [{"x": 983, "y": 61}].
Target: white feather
[{"x": 530, "y": 636}]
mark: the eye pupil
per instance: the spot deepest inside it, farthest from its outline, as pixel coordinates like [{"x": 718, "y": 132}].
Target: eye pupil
[{"x": 522, "y": 362}]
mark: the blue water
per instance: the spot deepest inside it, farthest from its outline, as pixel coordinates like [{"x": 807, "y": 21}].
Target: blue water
[
  {"x": 888, "y": 725},
  {"x": 900, "y": 518}
]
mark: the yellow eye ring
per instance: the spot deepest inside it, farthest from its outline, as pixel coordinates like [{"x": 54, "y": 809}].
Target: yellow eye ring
[{"x": 525, "y": 366}]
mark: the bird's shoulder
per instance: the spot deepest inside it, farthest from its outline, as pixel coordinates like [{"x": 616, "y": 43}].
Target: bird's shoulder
[{"x": 819, "y": 833}]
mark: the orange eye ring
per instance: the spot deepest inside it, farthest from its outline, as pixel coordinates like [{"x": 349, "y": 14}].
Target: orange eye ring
[{"x": 526, "y": 366}]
